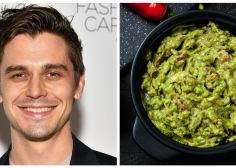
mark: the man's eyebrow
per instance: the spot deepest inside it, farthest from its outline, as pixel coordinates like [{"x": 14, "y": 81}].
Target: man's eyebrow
[
  {"x": 13, "y": 68},
  {"x": 55, "y": 66}
]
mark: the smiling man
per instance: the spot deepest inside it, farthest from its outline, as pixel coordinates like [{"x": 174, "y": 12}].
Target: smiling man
[{"x": 41, "y": 75}]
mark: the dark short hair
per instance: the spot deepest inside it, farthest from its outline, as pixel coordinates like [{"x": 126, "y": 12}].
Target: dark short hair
[{"x": 34, "y": 20}]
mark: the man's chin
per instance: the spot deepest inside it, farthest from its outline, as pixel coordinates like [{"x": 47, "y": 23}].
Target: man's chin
[{"x": 38, "y": 135}]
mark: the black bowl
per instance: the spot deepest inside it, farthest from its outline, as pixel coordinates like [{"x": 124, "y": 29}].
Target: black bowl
[{"x": 152, "y": 41}]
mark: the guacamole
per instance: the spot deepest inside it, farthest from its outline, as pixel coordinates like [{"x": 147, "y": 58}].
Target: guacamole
[{"x": 189, "y": 87}]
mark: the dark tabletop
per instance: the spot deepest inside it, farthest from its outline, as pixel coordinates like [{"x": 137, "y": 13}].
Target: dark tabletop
[{"x": 133, "y": 30}]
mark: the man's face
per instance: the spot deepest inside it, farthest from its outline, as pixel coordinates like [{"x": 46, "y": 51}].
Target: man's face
[{"x": 37, "y": 85}]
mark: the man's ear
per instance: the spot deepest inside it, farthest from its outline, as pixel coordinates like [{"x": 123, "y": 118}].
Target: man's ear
[{"x": 79, "y": 88}]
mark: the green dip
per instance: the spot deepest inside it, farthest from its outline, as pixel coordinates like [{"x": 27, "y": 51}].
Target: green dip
[{"x": 189, "y": 89}]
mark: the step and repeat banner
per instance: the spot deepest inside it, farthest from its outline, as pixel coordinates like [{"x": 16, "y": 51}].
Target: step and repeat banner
[{"x": 94, "y": 117}]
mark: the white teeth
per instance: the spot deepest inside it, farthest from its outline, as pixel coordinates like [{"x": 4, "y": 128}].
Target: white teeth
[{"x": 38, "y": 110}]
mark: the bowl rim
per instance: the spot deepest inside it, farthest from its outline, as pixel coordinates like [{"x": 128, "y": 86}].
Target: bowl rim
[{"x": 163, "y": 28}]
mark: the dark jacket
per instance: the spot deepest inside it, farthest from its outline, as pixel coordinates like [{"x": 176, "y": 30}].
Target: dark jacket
[{"x": 81, "y": 155}]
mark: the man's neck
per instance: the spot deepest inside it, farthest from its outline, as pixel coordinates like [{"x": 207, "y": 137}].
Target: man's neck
[{"x": 50, "y": 152}]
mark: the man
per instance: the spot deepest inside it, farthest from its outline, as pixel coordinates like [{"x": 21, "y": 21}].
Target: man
[{"x": 41, "y": 75}]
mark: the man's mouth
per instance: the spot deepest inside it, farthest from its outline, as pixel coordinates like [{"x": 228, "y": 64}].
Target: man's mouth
[{"x": 37, "y": 112}]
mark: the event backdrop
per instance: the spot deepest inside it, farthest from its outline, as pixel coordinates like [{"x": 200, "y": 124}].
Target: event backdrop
[{"x": 94, "y": 117}]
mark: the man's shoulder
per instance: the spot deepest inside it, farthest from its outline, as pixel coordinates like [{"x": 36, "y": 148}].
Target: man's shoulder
[
  {"x": 105, "y": 159},
  {"x": 83, "y": 155},
  {"x": 4, "y": 160}
]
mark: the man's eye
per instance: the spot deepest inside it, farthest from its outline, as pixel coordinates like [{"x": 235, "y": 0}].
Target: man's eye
[
  {"x": 53, "y": 75},
  {"x": 19, "y": 75}
]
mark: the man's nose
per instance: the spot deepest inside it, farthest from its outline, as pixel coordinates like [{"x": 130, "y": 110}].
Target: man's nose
[{"x": 36, "y": 88}]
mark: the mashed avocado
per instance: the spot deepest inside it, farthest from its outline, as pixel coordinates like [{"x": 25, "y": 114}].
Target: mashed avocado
[{"x": 189, "y": 89}]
